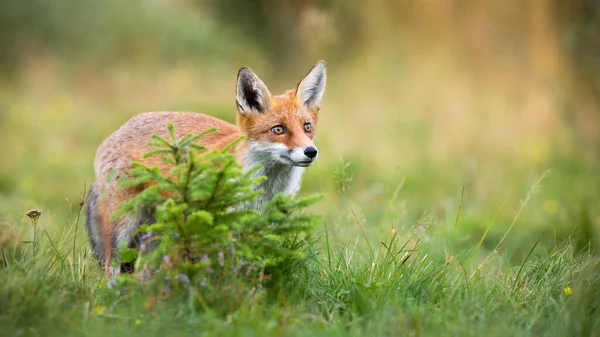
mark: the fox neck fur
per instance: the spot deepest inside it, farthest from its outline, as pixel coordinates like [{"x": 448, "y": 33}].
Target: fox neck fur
[{"x": 281, "y": 178}]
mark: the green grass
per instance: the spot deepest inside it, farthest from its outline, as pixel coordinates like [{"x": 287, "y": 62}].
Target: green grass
[{"x": 408, "y": 283}]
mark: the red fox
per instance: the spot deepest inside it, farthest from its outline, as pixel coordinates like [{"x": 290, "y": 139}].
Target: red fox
[{"x": 279, "y": 134}]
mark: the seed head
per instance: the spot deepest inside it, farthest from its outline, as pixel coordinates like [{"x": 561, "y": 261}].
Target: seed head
[{"x": 34, "y": 214}]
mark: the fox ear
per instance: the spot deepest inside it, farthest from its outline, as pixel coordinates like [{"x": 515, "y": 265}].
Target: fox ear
[
  {"x": 252, "y": 95},
  {"x": 310, "y": 90}
]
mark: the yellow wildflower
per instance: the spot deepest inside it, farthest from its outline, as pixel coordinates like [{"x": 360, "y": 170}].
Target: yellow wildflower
[
  {"x": 568, "y": 291},
  {"x": 99, "y": 310}
]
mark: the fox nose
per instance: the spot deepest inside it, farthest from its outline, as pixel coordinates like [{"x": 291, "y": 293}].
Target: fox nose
[{"x": 310, "y": 152}]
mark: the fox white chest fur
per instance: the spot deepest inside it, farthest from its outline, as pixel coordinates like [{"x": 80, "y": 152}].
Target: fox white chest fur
[
  {"x": 281, "y": 178},
  {"x": 279, "y": 131}
]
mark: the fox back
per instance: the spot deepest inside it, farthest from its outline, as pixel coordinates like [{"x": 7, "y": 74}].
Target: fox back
[{"x": 279, "y": 132}]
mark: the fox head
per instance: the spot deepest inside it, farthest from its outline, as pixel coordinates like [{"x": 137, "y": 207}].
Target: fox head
[{"x": 280, "y": 129}]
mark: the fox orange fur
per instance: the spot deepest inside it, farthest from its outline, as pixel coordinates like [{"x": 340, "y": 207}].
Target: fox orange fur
[{"x": 279, "y": 134}]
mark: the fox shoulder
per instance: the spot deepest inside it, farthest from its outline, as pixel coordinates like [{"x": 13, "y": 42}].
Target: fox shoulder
[{"x": 130, "y": 142}]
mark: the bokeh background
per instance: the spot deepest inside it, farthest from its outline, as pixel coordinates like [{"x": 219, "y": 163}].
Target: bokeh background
[{"x": 424, "y": 99}]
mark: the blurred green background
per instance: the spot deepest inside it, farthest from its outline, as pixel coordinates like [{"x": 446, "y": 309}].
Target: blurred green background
[{"x": 423, "y": 98}]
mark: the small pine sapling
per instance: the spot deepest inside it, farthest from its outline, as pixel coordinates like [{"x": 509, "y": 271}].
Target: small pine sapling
[{"x": 204, "y": 238}]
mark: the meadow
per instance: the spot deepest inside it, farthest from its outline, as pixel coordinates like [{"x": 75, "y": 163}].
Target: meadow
[{"x": 460, "y": 176}]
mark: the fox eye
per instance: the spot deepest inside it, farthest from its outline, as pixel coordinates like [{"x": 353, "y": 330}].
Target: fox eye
[
  {"x": 278, "y": 129},
  {"x": 307, "y": 127}
]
